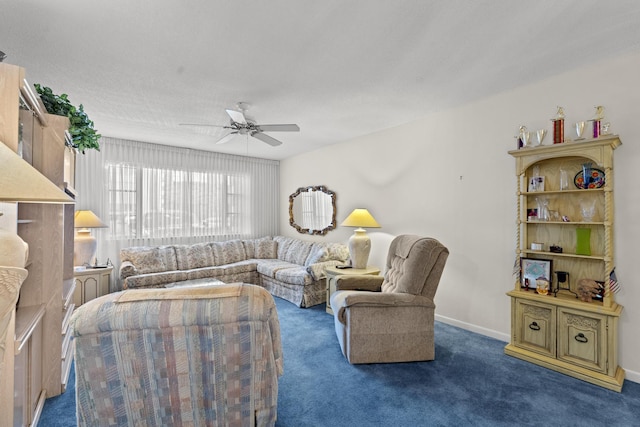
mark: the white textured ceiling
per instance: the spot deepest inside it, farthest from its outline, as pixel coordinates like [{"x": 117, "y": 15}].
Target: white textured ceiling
[{"x": 337, "y": 68}]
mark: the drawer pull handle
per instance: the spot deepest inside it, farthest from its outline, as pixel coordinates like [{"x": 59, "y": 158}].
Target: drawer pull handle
[
  {"x": 581, "y": 338},
  {"x": 535, "y": 327}
]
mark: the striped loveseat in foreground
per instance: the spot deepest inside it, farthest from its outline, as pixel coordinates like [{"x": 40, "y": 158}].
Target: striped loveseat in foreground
[{"x": 199, "y": 356}]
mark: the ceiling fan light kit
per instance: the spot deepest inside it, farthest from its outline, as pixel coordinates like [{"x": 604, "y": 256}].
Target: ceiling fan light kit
[{"x": 241, "y": 125}]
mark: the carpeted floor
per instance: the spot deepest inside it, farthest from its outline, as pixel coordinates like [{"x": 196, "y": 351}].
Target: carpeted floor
[{"x": 471, "y": 383}]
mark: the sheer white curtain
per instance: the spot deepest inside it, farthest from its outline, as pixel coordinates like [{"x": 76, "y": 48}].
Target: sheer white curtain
[{"x": 153, "y": 194}]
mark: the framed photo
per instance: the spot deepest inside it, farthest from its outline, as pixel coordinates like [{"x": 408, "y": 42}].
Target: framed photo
[
  {"x": 532, "y": 269},
  {"x": 536, "y": 183}
]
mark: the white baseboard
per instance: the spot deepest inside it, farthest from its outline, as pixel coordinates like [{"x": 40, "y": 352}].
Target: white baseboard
[
  {"x": 474, "y": 328},
  {"x": 629, "y": 375}
]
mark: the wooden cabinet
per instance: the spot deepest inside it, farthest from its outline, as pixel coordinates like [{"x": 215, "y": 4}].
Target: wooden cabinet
[
  {"x": 535, "y": 327},
  {"x": 332, "y": 274},
  {"x": 564, "y": 330},
  {"x": 48, "y": 229},
  {"x": 91, "y": 283}
]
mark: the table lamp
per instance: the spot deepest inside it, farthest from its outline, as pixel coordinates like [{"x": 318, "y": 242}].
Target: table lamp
[
  {"x": 359, "y": 242},
  {"x": 84, "y": 244}
]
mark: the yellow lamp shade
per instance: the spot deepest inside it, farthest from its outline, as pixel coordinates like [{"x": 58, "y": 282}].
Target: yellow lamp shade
[{"x": 360, "y": 218}]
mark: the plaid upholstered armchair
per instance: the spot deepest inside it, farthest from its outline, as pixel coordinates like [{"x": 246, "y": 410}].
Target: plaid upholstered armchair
[
  {"x": 200, "y": 356},
  {"x": 391, "y": 318}
]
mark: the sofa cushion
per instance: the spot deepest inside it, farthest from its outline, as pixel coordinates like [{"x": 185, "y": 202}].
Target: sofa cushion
[
  {"x": 269, "y": 267},
  {"x": 150, "y": 259},
  {"x": 295, "y": 275},
  {"x": 293, "y": 250},
  {"x": 264, "y": 248},
  {"x": 155, "y": 280},
  {"x": 228, "y": 252},
  {"x": 317, "y": 252},
  {"x": 205, "y": 272},
  {"x": 194, "y": 256},
  {"x": 335, "y": 251}
]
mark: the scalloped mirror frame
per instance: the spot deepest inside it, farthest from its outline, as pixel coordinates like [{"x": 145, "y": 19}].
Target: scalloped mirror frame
[{"x": 303, "y": 230}]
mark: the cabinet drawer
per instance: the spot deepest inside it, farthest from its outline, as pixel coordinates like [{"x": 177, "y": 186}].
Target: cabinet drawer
[
  {"x": 535, "y": 327},
  {"x": 582, "y": 339}
]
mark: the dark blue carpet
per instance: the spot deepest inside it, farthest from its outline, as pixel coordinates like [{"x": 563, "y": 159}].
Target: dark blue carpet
[{"x": 471, "y": 383}]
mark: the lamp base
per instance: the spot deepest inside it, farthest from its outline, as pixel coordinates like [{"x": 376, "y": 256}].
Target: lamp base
[
  {"x": 359, "y": 248},
  {"x": 84, "y": 248}
]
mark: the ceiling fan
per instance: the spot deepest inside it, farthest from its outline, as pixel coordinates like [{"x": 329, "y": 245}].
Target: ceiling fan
[{"x": 240, "y": 124}]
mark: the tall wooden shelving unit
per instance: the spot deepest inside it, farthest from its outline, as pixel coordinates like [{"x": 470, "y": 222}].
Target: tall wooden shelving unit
[
  {"x": 46, "y": 294},
  {"x": 562, "y": 332}
]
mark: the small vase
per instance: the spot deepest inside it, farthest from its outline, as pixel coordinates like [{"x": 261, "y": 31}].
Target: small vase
[
  {"x": 586, "y": 175},
  {"x": 583, "y": 241},
  {"x": 543, "y": 208},
  {"x": 588, "y": 209}
]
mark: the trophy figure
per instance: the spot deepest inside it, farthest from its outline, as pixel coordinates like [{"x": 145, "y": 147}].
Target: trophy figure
[
  {"x": 597, "y": 120},
  {"x": 558, "y": 126},
  {"x": 525, "y": 136},
  {"x": 580, "y": 130}
]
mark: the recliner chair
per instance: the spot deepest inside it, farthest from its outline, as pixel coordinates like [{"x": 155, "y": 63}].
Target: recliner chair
[{"x": 390, "y": 319}]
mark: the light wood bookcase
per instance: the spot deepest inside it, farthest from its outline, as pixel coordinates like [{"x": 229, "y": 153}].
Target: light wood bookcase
[
  {"x": 560, "y": 331},
  {"x": 41, "y": 364}
]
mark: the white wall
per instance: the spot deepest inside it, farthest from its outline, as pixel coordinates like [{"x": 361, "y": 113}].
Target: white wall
[{"x": 449, "y": 176}]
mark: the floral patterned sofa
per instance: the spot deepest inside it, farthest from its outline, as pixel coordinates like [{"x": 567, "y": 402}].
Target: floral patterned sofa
[{"x": 288, "y": 268}]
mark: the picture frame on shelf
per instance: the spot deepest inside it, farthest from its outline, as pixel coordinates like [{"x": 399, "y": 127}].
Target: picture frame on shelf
[
  {"x": 536, "y": 183},
  {"x": 533, "y": 269}
]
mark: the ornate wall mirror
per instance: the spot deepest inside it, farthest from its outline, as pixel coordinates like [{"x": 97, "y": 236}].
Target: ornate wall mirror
[{"x": 312, "y": 210}]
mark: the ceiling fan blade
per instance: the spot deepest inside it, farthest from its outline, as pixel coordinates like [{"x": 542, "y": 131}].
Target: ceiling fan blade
[
  {"x": 266, "y": 138},
  {"x": 202, "y": 125},
  {"x": 237, "y": 116},
  {"x": 227, "y": 138},
  {"x": 279, "y": 128}
]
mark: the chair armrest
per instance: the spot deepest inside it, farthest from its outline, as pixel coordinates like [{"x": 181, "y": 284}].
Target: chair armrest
[
  {"x": 360, "y": 282},
  {"x": 127, "y": 269},
  {"x": 340, "y": 301}
]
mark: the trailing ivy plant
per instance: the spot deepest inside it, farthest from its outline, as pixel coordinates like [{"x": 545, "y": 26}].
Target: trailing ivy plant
[{"x": 83, "y": 135}]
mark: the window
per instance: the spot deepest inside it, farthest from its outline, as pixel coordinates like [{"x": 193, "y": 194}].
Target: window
[{"x": 156, "y": 203}]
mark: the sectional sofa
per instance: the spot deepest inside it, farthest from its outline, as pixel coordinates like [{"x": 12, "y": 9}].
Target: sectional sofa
[{"x": 288, "y": 268}]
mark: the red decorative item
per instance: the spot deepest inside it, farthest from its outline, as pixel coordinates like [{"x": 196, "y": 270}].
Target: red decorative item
[{"x": 558, "y": 131}]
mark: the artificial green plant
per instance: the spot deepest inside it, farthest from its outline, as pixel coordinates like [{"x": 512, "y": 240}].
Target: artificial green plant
[{"x": 83, "y": 135}]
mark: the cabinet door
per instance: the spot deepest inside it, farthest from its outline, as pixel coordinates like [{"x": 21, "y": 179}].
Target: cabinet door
[
  {"x": 582, "y": 339},
  {"x": 535, "y": 326}
]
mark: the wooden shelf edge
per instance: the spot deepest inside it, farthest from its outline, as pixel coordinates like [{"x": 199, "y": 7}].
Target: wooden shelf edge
[
  {"x": 569, "y": 147},
  {"x": 27, "y": 319},
  {"x": 563, "y": 300},
  {"x": 611, "y": 383},
  {"x": 66, "y": 367},
  {"x": 565, "y": 255},
  {"x": 39, "y": 407},
  {"x": 67, "y": 317},
  {"x": 68, "y": 287}
]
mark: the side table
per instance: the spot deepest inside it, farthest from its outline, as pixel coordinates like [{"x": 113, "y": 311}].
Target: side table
[
  {"x": 91, "y": 283},
  {"x": 332, "y": 274}
]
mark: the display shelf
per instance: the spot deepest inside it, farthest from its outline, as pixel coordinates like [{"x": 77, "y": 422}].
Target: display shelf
[
  {"x": 65, "y": 321},
  {"x": 560, "y": 331},
  {"x": 68, "y": 288},
  {"x": 561, "y": 255},
  {"x": 27, "y": 320}
]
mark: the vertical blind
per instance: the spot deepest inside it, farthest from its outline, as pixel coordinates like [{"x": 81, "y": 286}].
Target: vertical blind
[{"x": 153, "y": 194}]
